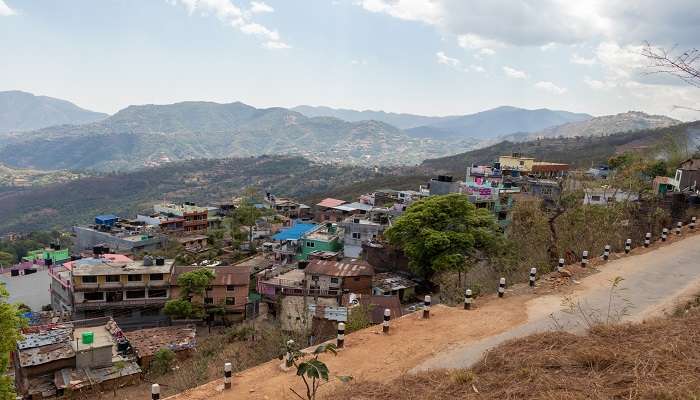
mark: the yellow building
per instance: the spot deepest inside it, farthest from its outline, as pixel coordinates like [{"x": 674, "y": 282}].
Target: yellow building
[{"x": 516, "y": 162}]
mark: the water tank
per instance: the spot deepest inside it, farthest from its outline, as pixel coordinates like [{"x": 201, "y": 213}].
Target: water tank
[
  {"x": 160, "y": 260},
  {"x": 147, "y": 261},
  {"x": 88, "y": 337}
]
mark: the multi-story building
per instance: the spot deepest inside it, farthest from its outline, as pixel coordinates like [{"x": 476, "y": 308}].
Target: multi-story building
[
  {"x": 324, "y": 237},
  {"x": 119, "y": 235},
  {"x": 515, "y": 164},
  {"x": 358, "y": 230},
  {"x": 229, "y": 289},
  {"x": 195, "y": 218},
  {"x": 353, "y": 276},
  {"x": 55, "y": 253},
  {"x": 113, "y": 285}
]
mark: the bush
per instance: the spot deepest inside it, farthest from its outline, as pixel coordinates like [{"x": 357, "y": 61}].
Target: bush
[{"x": 162, "y": 361}]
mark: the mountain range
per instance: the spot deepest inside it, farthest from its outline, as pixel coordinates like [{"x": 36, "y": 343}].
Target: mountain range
[
  {"x": 21, "y": 111},
  {"x": 487, "y": 124},
  {"x": 151, "y": 135}
]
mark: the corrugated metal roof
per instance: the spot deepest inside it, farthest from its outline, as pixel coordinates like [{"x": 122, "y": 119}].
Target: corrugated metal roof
[
  {"x": 294, "y": 233},
  {"x": 339, "y": 268},
  {"x": 330, "y": 202}
]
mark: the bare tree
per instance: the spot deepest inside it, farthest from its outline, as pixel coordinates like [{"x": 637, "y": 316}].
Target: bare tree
[{"x": 684, "y": 65}]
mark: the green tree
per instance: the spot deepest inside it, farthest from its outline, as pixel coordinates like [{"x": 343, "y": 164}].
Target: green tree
[
  {"x": 195, "y": 282},
  {"x": 10, "y": 324},
  {"x": 442, "y": 232},
  {"x": 179, "y": 309},
  {"x": 312, "y": 371},
  {"x": 191, "y": 283},
  {"x": 6, "y": 259}
]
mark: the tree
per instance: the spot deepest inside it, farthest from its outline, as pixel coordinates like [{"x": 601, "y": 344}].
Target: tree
[
  {"x": 191, "y": 283},
  {"x": 684, "y": 64},
  {"x": 162, "y": 361},
  {"x": 313, "y": 371},
  {"x": 6, "y": 259},
  {"x": 10, "y": 324},
  {"x": 442, "y": 232}
]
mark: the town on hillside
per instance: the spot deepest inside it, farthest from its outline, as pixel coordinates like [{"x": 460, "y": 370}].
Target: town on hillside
[{"x": 123, "y": 299}]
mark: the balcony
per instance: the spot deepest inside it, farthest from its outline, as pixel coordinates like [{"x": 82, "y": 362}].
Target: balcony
[{"x": 96, "y": 305}]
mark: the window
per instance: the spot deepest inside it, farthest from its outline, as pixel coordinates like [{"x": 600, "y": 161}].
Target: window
[
  {"x": 156, "y": 293},
  {"x": 135, "y": 294},
  {"x": 356, "y": 279},
  {"x": 230, "y": 301},
  {"x": 208, "y": 300},
  {"x": 547, "y": 191},
  {"x": 310, "y": 244},
  {"x": 135, "y": 278},
  {"x": 356, "y": 235},
  {"x": 94, "y": 296},
  {"x": 89, "y": 279},
  {"x": 334, "y": 280},
  {"x": 230, "y": 288},
  {"x": 314, "y": 278},
  {"x": 522, "y": 162},
  {"x": 156, "y": 277},
  {"x": 112, "y": 278},
  {"x": 114, "y": 296},
  {"x": 595, "y": 198}
]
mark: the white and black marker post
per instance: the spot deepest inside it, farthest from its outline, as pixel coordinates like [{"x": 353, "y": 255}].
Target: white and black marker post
[
  {"x": 228, "y": 370},
  {"x": 584, "y": 258},
  {"x": 426, "y": 307},
  {"x": 341, "y": 335},
  {"x": 468, "y": 299},
  {"x": 692, "y": 223},
  {"x": 387, "y": 317},
  {"x": 533, "y": 276},
  {"x": 606, "y": 252},
  {"x": 155, "y": 391},
  {"x": 561, "y": 265},
  {"x": 664, "y": 234},
  {"x": 679, "y": 225},
  {"x": 647, "y": 239},
  {"x": 628, "y": 246},
  {"x": 501, "y": 287}
]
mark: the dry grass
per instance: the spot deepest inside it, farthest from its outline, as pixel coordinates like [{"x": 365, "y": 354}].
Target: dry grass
[{"x": 659, "y": 359}]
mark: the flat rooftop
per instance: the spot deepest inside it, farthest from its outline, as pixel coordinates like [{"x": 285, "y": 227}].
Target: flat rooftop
[{"x": 102, "y": 266}]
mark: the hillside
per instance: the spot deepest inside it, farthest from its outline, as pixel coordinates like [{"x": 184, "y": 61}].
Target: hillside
[
  {"x": 577, "y": 151},
  {"x": 399, "y": 120},
  {"x": 151, "y": 135},
  {"x": 64, "y": 204},
  {"x": 601, "y": 126},
  {"x": 495, "y": 122},
  {"x": 21, "y": 111}
]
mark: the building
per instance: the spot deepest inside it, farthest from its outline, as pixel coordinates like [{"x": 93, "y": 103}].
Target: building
[
  {"x": 324, "y": 237},
  {"x": 515, "y": 164},
  {"x": 443, "y": 184},
  {"x": 331, "y": 210},
  {"x": 287, "y": 207},
  {"x": 113, "y": 285},
  {"x": 351, "y": 276},
  {"x": 229, "y": 289},
  {"x": 55, "y": 254},
  {"x": 56, "y": 359},
  {"x": 182, "y": 340},
  {"x": 287, "y": 242},
  {"x": 195, "y": 218},
  {"x": 391, "y": 284},
  {"x": 541, "y": 169},
  {"x": 599, "y": 172},
  {"x": 604, "y": 196},
  {"x": 688, "y": 174},
  {"x": 547, "y": 190},
  {"x": 118, "y": 235},
  {"x": 358, "y": 230}
]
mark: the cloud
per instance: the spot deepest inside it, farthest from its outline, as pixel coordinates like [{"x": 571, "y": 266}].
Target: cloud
[
  {"x": 577, "y": 59},
  {"x": 442, "y": 58},
  {"x": 541, "y": 22},
  {"x": 257, "y": 7},
  {"x": 514, "y": 73},
  {"x": 477, "y": 68},
  {"x": 236, "y": 17},
  {"x": 5, "y": 10},
  {"x": 548, "y": 46},
  {"x": 597, "y": 84},
  {"x": 550, "y": 87}
]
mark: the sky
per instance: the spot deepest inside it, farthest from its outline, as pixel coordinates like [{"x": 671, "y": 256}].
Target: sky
[{"x": 433, "y": 57}]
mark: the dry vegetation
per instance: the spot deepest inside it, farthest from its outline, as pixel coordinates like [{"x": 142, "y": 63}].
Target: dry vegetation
[{"x": 659, "y": 359}]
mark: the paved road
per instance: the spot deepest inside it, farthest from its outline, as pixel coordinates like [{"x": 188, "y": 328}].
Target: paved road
[{"x": 654, "y": 283}]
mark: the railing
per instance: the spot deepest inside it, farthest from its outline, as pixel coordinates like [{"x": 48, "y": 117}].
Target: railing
[
  {"x": 272, "y": 291},
  {"x": 124, "y": 303}
]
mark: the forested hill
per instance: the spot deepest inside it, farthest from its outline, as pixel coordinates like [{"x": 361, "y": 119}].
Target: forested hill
[
  {"x": 76, "y": 202},
  {"x": 578, "y": 151}
]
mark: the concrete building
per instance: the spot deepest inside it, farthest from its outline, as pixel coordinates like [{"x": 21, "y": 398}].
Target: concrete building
[
  {"x": 55, "y": 359},
  {"x": 516, "y": 162},
  {"x": 113, "y": 285},
  {"x": 324, "y": 237},
  {"x": 602, "y": 197},
  {"x": 195, "y": 218},
  {"x": 352, "y": 276},
  {"x": 229, "y": 289},
  {"x": 359, "y": 230},
  {"x": 442, "y": 185},
  {"x": 688, "y": 174},
  {"x": 119, "y": 235},
  {"x": 541, "y": 169}
]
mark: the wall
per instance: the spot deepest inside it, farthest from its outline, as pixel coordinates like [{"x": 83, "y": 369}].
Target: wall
[
  {"x": 94, "y": 357},
  {"x": 333, "y": 245},
  {"x": 87, "y": 238},
  {"x": 294, "y": 315}
]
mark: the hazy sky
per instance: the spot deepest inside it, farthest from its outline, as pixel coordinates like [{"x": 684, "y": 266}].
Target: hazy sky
[{"x": 419, "y": 56}]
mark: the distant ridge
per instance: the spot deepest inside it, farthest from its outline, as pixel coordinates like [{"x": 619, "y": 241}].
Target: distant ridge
[{"x": 22, "y": 111}]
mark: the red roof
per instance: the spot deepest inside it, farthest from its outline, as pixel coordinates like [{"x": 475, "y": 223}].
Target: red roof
[{"x": 330, "y": 203}]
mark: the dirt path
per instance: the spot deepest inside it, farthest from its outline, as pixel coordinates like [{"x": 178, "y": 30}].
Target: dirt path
[{"x": 453, "y": 337}]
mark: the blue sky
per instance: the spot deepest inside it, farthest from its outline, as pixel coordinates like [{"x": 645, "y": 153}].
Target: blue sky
[{"x": 421, "y": 56}]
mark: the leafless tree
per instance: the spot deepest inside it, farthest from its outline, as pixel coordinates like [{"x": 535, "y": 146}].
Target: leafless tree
[{"x": 682, "y": 64}]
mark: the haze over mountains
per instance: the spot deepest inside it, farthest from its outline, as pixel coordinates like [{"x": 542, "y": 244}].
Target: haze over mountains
[
  {"x": 21, "y": 111},
  {"x": 150, "y": 135}
]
